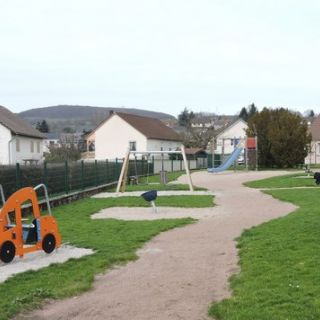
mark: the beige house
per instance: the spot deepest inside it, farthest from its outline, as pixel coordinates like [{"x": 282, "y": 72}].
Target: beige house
[
  {"x": 19, "y": 141},
  {"x": 229, "y": 136},
  {"x": 121, "y": 131}
]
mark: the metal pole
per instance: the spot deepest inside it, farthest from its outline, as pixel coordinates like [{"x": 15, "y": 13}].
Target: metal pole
[
  {"x": 18, "y": 176},
  {"x": 256, "y": 153},
  {"x": 82, "y": 174},
  {"x": 66, "y": 177},
  {"x": 247, "y": 167}
]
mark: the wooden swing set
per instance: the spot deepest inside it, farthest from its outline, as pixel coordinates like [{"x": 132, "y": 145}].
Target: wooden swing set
[{"x": 121, "y": 186}]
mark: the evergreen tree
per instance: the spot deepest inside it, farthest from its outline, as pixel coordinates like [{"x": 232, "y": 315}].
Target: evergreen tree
[
  {"x": 185, "y": 118},
  {"x": 252, "y": 110},
  {"x": 42, "y": 126},
  {"x": 282, "y": 137},
  {"x": 243, "y": 114}
]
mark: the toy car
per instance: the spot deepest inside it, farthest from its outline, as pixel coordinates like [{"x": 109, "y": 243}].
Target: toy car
[{"x": 17, "y": 238}]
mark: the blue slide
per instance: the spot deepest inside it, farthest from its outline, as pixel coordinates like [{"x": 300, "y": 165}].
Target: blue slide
[{"x": 228, "y": 163}]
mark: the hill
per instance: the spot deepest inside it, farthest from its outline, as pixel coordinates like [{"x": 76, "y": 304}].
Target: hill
[{"x": 77, "y": 118}]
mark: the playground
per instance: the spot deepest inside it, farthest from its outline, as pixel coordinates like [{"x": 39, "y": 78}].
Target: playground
[{"x": 180, "y": 272}]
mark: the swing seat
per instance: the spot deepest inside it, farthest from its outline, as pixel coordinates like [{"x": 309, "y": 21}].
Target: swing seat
[{"x": 150, "y": 195}]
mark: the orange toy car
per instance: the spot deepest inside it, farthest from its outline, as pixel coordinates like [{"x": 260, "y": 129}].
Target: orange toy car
[{"x": 16, "y": 238}]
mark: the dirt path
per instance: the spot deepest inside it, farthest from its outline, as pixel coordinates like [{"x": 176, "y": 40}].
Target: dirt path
[{"x": 182, "y": 271}]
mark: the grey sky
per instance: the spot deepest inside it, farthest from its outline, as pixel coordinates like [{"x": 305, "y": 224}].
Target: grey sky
[{"x": 163, "y": 55}]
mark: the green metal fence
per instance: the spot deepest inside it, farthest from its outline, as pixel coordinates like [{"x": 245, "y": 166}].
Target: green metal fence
[{"x": 67, "y": 177}]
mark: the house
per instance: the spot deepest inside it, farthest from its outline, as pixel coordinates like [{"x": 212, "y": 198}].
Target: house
[
  {"x": 228, "y": 136},
  {"x": 19, "y": 141},
  {"x": 313, "y": 156},
  {"x": 121, "y": 131},
  {"x": 51, "y": 140},
  {"x": 194, "y": 153}
]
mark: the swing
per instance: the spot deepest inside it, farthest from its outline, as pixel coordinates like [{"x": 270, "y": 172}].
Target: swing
[{"x": 136, "y": 176}]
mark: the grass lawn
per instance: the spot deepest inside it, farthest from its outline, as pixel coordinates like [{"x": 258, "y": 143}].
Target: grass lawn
[
  {"x": 114, "y": 241},
  {"x": 156, "y": 178},
  {"x": 279, "y": 261},
  {"x": 153, "y": 183},
  {"x": 286, "y": 181}
]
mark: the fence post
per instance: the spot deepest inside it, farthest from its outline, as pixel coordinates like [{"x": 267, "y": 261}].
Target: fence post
[
  {"x": 45, "y": 173},
  {"x": 172, "y": 165},
  {"x": 82, "y": 174},
  {"x": 66, "y": 177},
  {"x": 18, "y": 176},
  {"x": 96, "y": 172},
  {"x": 107, "y": 173},
  {"x": 152, "y": 164},
  {"x": 116, "y": 170},
  {"x": 180, "y": 164}
]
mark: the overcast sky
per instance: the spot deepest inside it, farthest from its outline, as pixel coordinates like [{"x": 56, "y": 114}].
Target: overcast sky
[{"x": 207, "y": 55}]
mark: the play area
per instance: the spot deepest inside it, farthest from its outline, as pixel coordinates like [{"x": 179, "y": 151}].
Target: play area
[
  {"x": 194, "y": 259},
  {"x": 28, "y": 237}
]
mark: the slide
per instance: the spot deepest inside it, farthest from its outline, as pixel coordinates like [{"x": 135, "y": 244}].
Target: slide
[{"x": 228, "y": 163}]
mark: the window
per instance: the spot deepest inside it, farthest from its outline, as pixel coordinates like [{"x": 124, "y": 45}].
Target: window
[
  {"x": 133, "y": 146},
  {"x": 38, "y": 146},
  {"x": 18, "y": 145},
  {"x": 31, "y": 146}
]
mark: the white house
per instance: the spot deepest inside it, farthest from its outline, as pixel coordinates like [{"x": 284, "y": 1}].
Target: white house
[
  {"x": 229, "y": 136},
  {"x": 19, "y": 141},
  {"x": 313, "y": 156},
  {"x": 121, "y": 131}
]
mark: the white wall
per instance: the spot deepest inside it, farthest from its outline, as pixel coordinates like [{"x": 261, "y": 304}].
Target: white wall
[
  {"x": 156, "y": 145},
  {"x": 112, "y": 139},
  {"x": 25, "y": 151},
  {"x": 235, "y": 131},
  {"x": 5, "y": 136},
  {"x": 313, "y": 156},
  {"x": 177, "y": 165}
]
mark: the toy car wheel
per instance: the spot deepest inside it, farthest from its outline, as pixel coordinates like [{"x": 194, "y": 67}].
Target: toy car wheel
[
  {"x": 48, "y": 243},
  {"x": 7, "y": 252}
]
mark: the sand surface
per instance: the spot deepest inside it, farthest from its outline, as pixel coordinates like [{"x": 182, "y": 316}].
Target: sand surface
[
  {"x": 160, "y": 193},
  {"x": 182, "y": 271},
  {"x": 39, "y": 259},
  {"x": 132, "y": 214}
]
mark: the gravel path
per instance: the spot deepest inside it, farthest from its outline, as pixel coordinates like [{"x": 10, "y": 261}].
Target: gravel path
[{"x": 182, "y": 271}]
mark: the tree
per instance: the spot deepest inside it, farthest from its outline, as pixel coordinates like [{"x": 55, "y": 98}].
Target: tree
[
  {"x": 195, "y": 138},
  {"x": 243, "y": 114},
  {"x": 185, "y": 118},
  {"x": 63, "y": 153},
  {"x": 309, "y": 113},
  {"x": 282, "y": 137},
  {"x": 252, "y": 110},
  {"x": 42, "y": 126}
]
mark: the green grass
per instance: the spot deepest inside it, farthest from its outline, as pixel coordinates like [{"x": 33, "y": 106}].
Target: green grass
[
  {"x": 114, "y": 242},
  {"x": 153, "y": 183},
  {"x": 280, "y": 274},
  {"x": 172, "y": 176},
  {"x": 159, "y": 187},
  {"x": 286, "y": 181}
]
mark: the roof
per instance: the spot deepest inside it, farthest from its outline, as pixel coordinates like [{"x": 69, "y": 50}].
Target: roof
[
  {"x": 151, "y": 128},
  {"x": 315, "y": 129},
  {"x": 52, "y": 136},
  {"x": 194, "y": 150},
  {"x": 17, "y": 125}
]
